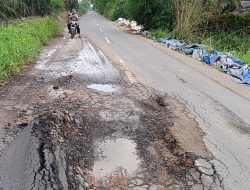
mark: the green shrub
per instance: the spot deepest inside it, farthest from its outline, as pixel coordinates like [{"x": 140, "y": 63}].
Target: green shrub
[
  {"x": 22, "y": 41},
  {"x": 119, "y": 10},
  {"x": 18, "y": 8},
  {"x": 189, "y": 14},
  {"x": 57, "y": 5},
  {"x": 229, "y": 23},
  {"x": 159, "y": 34}
]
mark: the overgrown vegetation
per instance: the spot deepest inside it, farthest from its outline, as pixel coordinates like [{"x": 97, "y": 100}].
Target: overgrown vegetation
[
  {"x": 24, "y": 8},
  {"x": 83, "y": 6},
  {"x": 238, "y": 43},
  {"x": 210, "y": 22},
  {"x": 22, "y": 41},
  {"x": 189, "y": 15}
]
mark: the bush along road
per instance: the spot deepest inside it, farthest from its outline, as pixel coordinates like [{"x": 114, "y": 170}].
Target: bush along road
[
  {"x": 22, "y": 41},
  {"x": 109, "y": 111}
]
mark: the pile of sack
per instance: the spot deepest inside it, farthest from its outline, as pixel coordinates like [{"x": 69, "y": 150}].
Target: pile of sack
[
  {"x": 226, "y": 62},
  {"x": 132, "y": 25},
  {"x": 123, "y": 22}
]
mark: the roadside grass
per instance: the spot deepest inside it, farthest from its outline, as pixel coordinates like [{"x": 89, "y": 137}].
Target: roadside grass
[
  {"x": 21, "y": 41},
  {"x": 158, "y": 34},
  {"x": 236, "y": 43}
]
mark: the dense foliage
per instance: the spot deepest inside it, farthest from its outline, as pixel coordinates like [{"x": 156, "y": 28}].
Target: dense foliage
[
  {"x": 150, "y": 13},
  {"x": 210, "y": 22},
  {"x": 23, "y": 8},
  {"x": 168, "y": 14},
  {"x": 17, "y": 8}
]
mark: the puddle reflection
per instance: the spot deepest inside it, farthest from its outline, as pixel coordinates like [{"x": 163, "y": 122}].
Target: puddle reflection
[{"x": 116, "y": 155}]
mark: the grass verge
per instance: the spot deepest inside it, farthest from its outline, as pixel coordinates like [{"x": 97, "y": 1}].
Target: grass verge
[
  {"x": 236, "y": 43},
  {"x": 22, "y": 41}
]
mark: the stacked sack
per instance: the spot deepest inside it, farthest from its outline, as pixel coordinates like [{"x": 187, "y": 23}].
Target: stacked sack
[
  {"x": 123, "y": 22},
  {"x": 226, "y": 62},
  {"x": 133, "y": 26}
]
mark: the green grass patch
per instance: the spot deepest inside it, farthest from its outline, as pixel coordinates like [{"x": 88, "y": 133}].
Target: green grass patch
[
  {"x": 22, "y": 41},
  {"x": 158, "y": 34},
  {"x": 236, "y": 43}
]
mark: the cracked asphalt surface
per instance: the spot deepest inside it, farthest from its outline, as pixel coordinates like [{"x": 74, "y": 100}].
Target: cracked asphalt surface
[
  {"x": 220, "y": 106},
  {"x": 81, "y": 120}
]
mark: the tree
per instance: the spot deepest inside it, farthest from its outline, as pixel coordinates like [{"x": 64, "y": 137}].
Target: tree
[{"x": 72, "y": 4}]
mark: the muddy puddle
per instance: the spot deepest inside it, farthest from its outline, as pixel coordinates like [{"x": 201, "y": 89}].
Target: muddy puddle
[
  {"x": 103, "y": 87},
  {"x": 114, "y": 156},
  {"x": 118, "y": 166}
]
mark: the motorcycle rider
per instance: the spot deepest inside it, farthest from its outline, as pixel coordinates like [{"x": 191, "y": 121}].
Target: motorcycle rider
[{"x": 73, "y": 16}]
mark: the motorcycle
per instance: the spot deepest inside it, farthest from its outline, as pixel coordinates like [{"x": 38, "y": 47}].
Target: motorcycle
[{"x": 73, "y": 28}]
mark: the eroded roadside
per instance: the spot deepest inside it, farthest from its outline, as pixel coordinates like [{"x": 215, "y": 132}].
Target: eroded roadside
[{"x": 75, "y": 121}]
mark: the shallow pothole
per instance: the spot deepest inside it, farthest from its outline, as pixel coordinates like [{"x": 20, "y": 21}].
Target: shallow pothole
[
  {"x": 55, "y": 92},
  {"x": 104, "y": 88}
]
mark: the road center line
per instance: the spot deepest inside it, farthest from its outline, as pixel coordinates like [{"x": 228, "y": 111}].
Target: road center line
[
  {"x": 97, "y": 24},
  {"x": 101, "y": 30},
  {"x": 108, "y": 41}
]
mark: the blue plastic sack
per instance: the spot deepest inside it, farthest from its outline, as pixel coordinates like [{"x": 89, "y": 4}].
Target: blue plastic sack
[
  {"x": 214, "y": 57},
  {"x": 227, "y": 62},
  {"x": 238, "y": 61},
  {"x": 175, "y": 44},
  {"x": 188, "y": 51},
  {"x": 246, "y": 76},
  {"x": 164, "y": 40},
  {"x": 206, "y": 57},
  {"x": 234, "y": 59}
]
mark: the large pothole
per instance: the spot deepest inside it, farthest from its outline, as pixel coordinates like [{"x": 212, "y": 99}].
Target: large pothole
[
  {"x": 93, "y": 130},
  {"x": 131, "y": 148}
]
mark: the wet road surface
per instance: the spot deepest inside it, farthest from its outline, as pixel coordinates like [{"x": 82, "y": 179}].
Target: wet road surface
[
  {"x": 78, "y": 121},
  {"x": 220, "y": 106}
]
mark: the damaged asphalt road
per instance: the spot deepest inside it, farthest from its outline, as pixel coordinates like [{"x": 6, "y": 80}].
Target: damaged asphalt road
[
  {"x": 77, "y": 121},
  {"x": 219, "y": 105}
]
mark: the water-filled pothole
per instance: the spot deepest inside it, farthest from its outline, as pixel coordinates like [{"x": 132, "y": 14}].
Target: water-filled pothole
[
  {"x": 103, "y": 87},
  {"x": 115, "y": 159}
]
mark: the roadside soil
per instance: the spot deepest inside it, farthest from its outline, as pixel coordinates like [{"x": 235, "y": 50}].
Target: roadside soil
[{"x": 77, "y": 121}]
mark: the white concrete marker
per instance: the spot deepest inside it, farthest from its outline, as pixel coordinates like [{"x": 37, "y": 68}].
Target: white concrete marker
[{"x": 107, "y": 40}]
